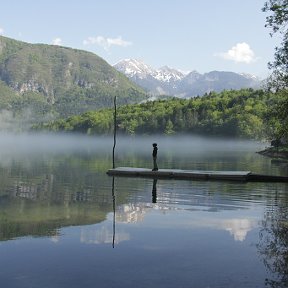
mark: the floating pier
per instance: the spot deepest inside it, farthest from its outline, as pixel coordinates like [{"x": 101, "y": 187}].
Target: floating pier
[{"x": 195, "y": 174}]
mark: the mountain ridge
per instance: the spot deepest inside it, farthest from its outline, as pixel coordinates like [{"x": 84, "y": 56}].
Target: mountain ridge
[
  {"x": 171, "y": 81},
  {"x": 60, "y": 80}
]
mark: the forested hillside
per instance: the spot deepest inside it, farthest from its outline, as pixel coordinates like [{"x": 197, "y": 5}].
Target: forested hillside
[
  {"x": 242, "y": 113},
  {"x": 58, "y": 81}
]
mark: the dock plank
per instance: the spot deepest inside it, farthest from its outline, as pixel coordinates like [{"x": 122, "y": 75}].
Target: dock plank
[
  {"x": 195, "y": 174},
  {"x": 179, "y": 174}
]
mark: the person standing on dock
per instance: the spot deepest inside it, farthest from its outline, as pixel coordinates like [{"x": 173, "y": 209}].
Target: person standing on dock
[{"x": 154, "y": 155}]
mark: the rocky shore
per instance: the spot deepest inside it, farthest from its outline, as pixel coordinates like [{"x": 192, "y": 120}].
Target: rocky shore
[{"x": 274, "y": 152}]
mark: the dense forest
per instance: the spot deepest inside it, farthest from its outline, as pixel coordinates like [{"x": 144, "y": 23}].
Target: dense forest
[{"x": 242, "y": 114}]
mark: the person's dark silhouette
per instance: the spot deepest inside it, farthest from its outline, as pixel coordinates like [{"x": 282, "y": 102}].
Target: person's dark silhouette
[{"x": 154, "y": 155}]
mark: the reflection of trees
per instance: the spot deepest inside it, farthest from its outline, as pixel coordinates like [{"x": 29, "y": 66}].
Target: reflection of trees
[
  {"x": 23, "y": 217},
  {"x": 39, "y": 195},
  {"x": 273, "y": 245}
]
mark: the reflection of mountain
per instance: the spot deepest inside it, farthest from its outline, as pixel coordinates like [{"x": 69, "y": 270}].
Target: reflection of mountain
[
  {"x": 101, "y": 235},
  {"x": 237, "y": 227},
  {"x": 131, "y": 213},
  {"x": 204, "y": 207}
]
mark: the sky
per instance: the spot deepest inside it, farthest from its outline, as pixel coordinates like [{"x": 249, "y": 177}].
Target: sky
[{"x": 223, "y": 35}]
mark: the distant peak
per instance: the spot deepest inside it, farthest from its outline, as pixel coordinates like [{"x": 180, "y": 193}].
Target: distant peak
[
  {"x": 250, "y": 76},
  {"x": 171, "y": 81},
  {"x": 134, "y": 68},
  {"x": 138, "y": 68}
]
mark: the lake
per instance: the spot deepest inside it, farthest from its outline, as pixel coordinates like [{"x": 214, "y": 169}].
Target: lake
[{"x": 65, "y": 223}]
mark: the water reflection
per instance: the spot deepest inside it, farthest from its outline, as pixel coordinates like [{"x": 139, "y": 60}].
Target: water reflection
[
  {"x": 195, "y": 201},
  {"x": 102, "y": 235},
  {"x": 61, "y": 204},
  {"x": 114, "y": 211},
  {"x": 273, "y": 244},
  {"x": 154, "y": 191},
  {"x": 41, "y": 198}
]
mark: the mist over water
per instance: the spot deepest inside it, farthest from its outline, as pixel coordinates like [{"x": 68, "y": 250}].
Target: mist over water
[
  {"x": 174, "y": 152},
  {"x": 127, "y": 147},
  {"x": 57, "y": 143},
  {"x": 186, "y": 144},
  {"x": 182, "y": 152}
]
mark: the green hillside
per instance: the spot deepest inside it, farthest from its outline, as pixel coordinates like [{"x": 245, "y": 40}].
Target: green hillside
[
  {"x": 241, "y": 114},
  {"x": 58, "y": 81}
]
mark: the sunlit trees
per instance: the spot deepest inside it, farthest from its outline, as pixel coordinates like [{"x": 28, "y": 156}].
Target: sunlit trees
[
  {"x": 240, "y": 113},
  {"x": 169, "y": 128}
]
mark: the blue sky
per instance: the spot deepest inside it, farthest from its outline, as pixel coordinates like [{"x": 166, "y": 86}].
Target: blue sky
[{"x": 224, "y": 35}]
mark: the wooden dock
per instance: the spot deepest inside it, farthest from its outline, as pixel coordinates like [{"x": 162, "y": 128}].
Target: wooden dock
[{"x": 195, "y": 175}]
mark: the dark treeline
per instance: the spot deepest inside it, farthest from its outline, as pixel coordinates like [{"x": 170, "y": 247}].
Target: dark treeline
[{"x": 242, "y": 113}]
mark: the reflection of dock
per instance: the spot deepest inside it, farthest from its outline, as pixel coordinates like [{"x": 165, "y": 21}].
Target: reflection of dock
[{"x": 195, "y": 174}]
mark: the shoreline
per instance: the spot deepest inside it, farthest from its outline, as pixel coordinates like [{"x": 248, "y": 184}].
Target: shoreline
[{"x": 273, "y": 152}]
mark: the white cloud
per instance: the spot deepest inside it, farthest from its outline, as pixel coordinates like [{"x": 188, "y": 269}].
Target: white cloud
[
  {"x": 1, "y": 31},
  {"x": 241, "y": 52},
  {"x": 106, "y": 43},
  {"x": 57, "y": 41}
]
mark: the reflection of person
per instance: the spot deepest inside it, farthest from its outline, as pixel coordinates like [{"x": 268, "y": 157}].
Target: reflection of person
[
  {"x": 154, "y": 155},
  {"x": 154, "y": 191}
]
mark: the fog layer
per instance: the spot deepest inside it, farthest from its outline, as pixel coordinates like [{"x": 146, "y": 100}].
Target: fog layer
[{"x": 62, "y": 143}]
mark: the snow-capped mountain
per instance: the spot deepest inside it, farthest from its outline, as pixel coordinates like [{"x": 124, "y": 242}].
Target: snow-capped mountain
[
  {"x": 167, "y": 74},
  {"x": 164, "y": 80},
  {"x": 170, "y": 81},
  {"x": 134, "y": 68},
  {"x": 137, "y": 69}
]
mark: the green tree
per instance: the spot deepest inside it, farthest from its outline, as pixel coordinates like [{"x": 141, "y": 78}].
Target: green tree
[
  {"x": 240, "y": 113},
  {"x": 277, "y": 21},
  {"x": 169, "y": 128}
]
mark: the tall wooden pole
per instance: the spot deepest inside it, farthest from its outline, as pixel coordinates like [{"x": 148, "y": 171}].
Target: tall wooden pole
[
  {"x": 113, "y": 181},
  {"x": 115, "y": 128}
]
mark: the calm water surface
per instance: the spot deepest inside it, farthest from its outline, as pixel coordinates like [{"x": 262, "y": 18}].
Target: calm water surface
[{"x": 65, "y": 223}]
